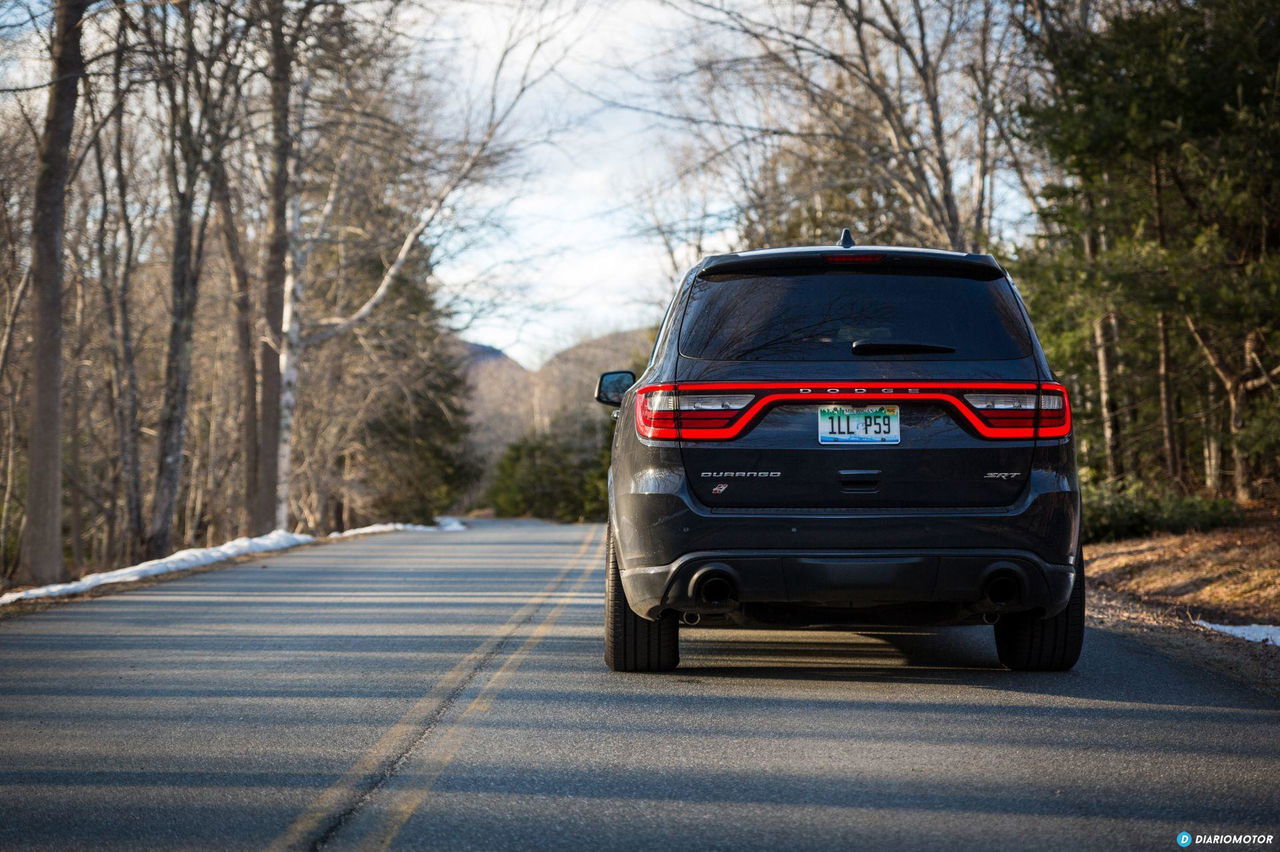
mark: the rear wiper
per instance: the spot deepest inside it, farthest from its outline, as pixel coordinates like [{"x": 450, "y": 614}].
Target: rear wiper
[{"x": 895, "y": 347}]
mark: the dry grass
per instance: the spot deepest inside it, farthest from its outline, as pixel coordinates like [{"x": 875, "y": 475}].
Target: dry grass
[{"x": 1229, "y": 575}]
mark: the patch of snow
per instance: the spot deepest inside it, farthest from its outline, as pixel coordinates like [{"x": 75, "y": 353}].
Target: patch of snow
[
  {"x": 443, "y": 524},
  {"x": 182, "y": 560},
  {"x": 199, "y": 556},
  {"x": 1252, "y": 632}
]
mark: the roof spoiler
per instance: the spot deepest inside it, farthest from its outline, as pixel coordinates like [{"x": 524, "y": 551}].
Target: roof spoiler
[{"x": 982, "y": 267}]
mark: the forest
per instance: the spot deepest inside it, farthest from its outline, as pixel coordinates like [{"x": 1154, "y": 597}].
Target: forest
[{"x": 223, "y": 225}]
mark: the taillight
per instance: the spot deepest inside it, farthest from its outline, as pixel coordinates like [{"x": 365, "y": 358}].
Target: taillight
[
  {"x": 715, "y": 401},
  {"x": 1055, "y": 412},
  {"x": 663, "y": 412},
  {"x": 1005, "y": 410},
  {"x": 722, "y": 411},
  {"x": 655, "y": 413},
  {"x": 1023, "y": 415}
]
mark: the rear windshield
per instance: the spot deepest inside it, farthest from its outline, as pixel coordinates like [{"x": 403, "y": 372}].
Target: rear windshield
[{"x": 819, "y": 317}]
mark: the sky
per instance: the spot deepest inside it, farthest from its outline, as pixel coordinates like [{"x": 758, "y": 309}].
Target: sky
[
  {"x": 590, "y": 272},
  {"x": 584, "y": 269}
]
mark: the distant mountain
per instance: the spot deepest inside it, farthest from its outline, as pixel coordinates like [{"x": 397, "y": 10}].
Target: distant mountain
[
  {"x": 478, "y": 353},
  {"x": 567, "y": 381},
  {"x": 506, "y": 400},
  {"x": 499, "y": 404}
]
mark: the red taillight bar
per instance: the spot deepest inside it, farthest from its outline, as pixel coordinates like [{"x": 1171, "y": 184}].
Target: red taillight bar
[{"x": 671, "y": 424}]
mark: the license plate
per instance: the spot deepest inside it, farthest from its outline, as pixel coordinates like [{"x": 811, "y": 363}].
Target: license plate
[{"x": 848, "y": 424}]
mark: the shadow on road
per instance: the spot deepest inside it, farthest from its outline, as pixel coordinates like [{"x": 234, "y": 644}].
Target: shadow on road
[{"x": 954, "y": 656}]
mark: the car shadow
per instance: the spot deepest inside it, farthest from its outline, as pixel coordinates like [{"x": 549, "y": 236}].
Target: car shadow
[{"x": 951, "y": 656}]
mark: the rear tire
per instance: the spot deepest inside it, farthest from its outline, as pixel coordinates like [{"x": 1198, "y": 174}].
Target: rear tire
[
  {"x": 1027, "y": 643},
  {"x": 631, "y": 643}
]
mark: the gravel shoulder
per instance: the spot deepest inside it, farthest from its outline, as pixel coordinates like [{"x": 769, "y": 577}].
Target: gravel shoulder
[
  {"x": 1153, "y": 589},
  {"x": 1170, "y": 630},
  {"x": 1228, "y": 576}
]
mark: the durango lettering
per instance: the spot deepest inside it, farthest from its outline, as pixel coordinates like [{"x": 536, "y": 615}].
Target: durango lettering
[{"x": 722, "y": 474}]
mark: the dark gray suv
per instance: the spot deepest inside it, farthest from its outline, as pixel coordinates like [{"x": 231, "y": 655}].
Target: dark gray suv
[{"x": 844, "y": 436}]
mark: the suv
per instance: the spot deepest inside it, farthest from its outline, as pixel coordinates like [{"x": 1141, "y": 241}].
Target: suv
[{"x": 844, "y": 436}]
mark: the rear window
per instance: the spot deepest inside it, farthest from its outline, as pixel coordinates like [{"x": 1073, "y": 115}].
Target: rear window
[{"x": 818, "y": 317}]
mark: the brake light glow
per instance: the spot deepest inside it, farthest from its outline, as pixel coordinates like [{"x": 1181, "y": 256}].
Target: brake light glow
[
  {"x": 708, "y": 411},
  {"x": 853, "y": 258}
]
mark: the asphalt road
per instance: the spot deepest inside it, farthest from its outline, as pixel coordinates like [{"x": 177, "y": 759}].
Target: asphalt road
[{"x": 424, "y": 690}]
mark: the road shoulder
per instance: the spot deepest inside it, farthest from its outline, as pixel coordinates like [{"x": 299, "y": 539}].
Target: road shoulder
[
  {"x": 27, "y": 606},
  {"x": 1171, "y": 631}
]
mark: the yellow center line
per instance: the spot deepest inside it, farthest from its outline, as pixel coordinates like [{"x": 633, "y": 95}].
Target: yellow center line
[
  {"x": 407, "y": 802},
  {"x": 347, "y": 791}
]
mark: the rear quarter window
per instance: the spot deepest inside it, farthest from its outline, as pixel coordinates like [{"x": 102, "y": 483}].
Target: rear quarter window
[{"x": 819, "y": 316}]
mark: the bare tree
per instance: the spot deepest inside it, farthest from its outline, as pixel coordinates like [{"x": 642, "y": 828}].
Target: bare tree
[
  {"x": 231, "y": 114},
  {"x": 117, "y": 250},
  {"x": 1239, "y": 383},
  {"x": 900, "y": 97},
  {"x": 242, "y": 299},
  {"x": 42, "y": 545},
  {"x": 286, "y": 27},
  {"x": 197, "y": 52},
  {"x": 527, "y": 57}
]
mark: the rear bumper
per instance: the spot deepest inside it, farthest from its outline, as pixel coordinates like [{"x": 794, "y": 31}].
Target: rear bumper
[
  {"x": 850, "y": 559},
  {"x": 658, "y": 522},
  {"x": 955, "y": 580}
]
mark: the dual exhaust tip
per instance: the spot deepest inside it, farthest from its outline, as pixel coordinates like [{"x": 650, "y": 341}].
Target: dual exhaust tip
[
  {"x": 716, "y": 590},
  {"x": 1002, "y": 588},
  {"x": 712, "y": 588}
]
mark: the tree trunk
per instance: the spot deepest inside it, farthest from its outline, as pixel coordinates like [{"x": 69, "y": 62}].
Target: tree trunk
[
  {"x": 116, "y": 265},
  {"x": 1237, "y": 385},
  {"x": 273, "y": 273},
  {"x": 1239, "y": 459},
  {"x": 1172, "y": 457},
  {"x": 1125, "y": 407},
  {"x": 1210, "y": 423},
  {"x": 192, "y": 486},
  {"x": 42, "y": 544},
  {"x": 127, "y": 417},
  {"x": 1106, "y": 401},
  {"x": 339, "y": 504},
  {"x": 290, "y": 352},
  {"x": 177, "y": 376},
  {"x": 242, "y": 301},
  {"x": 75, "y": 507},
  {"x": 7, "y": 565}
]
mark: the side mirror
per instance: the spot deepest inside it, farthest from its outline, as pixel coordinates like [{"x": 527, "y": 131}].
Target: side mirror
[{"x": 612, "y": 386}]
